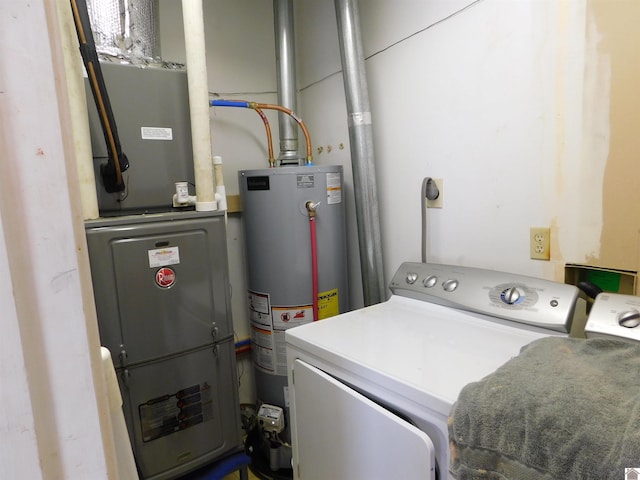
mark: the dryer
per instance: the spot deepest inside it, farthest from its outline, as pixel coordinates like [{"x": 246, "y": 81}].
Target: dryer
[
  {"x": 370, "y": 390},
  {"x": 614, "y": 315}
]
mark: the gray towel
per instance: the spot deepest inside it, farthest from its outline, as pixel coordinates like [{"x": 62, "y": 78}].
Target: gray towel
[{"x": 565, "y": 409}]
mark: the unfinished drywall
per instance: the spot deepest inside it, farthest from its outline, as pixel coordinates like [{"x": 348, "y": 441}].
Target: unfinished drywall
[{"x": 617, "y": 37}]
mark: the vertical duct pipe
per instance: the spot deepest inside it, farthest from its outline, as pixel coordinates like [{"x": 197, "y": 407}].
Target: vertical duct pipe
[
  {"x": 286, "y": 76},
  {"x": 362, "y": 158},
  {"x": 192, "y": 16}
]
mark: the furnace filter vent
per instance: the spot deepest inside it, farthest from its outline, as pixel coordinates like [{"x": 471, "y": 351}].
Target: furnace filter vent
[{"x": 278, "y": 247}]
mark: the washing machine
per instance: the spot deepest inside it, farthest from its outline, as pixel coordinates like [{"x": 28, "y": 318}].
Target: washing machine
[{"x": 370, "y": 390}]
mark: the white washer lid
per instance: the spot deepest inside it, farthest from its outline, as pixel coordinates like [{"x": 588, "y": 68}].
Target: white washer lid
[{"x": 423, "y": 351}]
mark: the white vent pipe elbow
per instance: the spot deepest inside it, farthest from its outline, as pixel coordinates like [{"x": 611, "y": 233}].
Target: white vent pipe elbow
[{"x": 221, "y": 194}]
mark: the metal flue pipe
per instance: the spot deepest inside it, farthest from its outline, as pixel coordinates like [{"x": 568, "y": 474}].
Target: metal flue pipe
[
  {"x": 362, "y": 157},
  {"x": 286, "y": 77}
]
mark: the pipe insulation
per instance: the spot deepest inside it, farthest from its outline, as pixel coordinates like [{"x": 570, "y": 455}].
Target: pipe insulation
[
  {"x": 286, "y": 80},
  {"x": 362, "y": 154},
  {"x": 197, "y": 82}
]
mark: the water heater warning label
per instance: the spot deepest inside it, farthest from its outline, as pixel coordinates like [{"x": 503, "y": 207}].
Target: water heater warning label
[
  {"x": 269, "y": 324},
  {"x": 262, "y": 336},
  {"x": 289, "y": 317},
  {"x": 334, "y": 188},
  {"x": 328, "y": 304}
]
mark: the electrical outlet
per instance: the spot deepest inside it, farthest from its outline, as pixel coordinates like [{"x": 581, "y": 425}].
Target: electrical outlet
[
  {"x": 437, "y": 203},
  {"x": 540, "y": 241}
]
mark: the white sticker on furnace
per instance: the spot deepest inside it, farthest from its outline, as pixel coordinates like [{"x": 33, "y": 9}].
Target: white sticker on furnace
[
  {"x": 334, "y": 188},
  {"x": 162, "y": 257},
  {"x": 156, "y": 133}
]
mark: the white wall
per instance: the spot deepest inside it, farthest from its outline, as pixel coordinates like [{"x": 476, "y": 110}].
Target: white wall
[
  {"x": 492, "y": 100},
  {"x": 53, "y": 406}
]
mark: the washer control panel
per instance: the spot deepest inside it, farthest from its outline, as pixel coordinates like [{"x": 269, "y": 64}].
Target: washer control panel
[
  {"x": 508, "y": 296},
  {"x": 614, "y": 315}
]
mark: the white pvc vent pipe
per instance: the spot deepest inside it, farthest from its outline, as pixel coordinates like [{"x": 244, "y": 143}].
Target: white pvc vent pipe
[{"x": 192, "y": 16}]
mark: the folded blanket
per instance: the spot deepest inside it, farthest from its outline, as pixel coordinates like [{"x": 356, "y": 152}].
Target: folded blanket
[{"x": 565, "y": 409}]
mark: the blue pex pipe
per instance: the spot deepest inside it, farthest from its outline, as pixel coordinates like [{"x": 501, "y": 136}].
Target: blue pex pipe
[{"x": 229, "y": 103}]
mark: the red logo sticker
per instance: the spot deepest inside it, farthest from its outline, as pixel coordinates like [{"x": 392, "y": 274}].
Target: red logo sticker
[{"x": 165, "y": 277}]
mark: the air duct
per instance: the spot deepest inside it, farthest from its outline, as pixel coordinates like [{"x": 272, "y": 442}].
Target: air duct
[
  {"x": 362, "y": 158},
  {"x": 125, "y": 28}
]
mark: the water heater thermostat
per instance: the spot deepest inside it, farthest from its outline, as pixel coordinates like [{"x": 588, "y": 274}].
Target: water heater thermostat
[{"x": 271, "y": 418}]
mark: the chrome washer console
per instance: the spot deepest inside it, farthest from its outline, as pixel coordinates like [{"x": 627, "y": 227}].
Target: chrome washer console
[{"x": 528, "y": 300}]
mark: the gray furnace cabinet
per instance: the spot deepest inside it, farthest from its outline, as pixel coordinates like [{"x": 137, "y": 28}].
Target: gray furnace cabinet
[{"x": 161, "y": 287}]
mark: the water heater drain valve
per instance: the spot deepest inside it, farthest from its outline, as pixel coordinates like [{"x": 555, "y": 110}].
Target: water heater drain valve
[{"x": 271, "y": 418}]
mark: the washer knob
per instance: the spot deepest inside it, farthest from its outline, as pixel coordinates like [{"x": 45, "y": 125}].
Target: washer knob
[
  {"x": 629, "y": 318},
  {"x": 411, "y": 278},
  {"x": 511, "y": 295},
  {"x": 450, "y": 285},
  {"x": 430, "y": 281}
]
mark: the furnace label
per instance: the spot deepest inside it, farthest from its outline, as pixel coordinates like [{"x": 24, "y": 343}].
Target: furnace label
[
  {"x": 156, "y": 133},
  {"x": 162, "y": 257},
  {"x": 164, "y": 415}
]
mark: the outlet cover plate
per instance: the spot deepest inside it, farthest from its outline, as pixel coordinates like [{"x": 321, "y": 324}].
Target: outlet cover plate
[{"x": 540, "y": 243}]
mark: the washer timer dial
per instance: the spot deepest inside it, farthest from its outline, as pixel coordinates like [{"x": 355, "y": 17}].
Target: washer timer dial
[{"x": 513, "y": 295}]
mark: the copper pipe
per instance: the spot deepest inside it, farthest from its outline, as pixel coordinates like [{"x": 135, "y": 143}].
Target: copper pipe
[
  {"x": 289, "y": 112},
  {"x": 78, "y": 22},
  {"x": 272, "y": 160}
]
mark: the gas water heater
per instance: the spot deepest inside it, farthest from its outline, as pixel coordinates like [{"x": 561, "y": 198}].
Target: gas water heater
[{"x": 282, "y": 246}]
